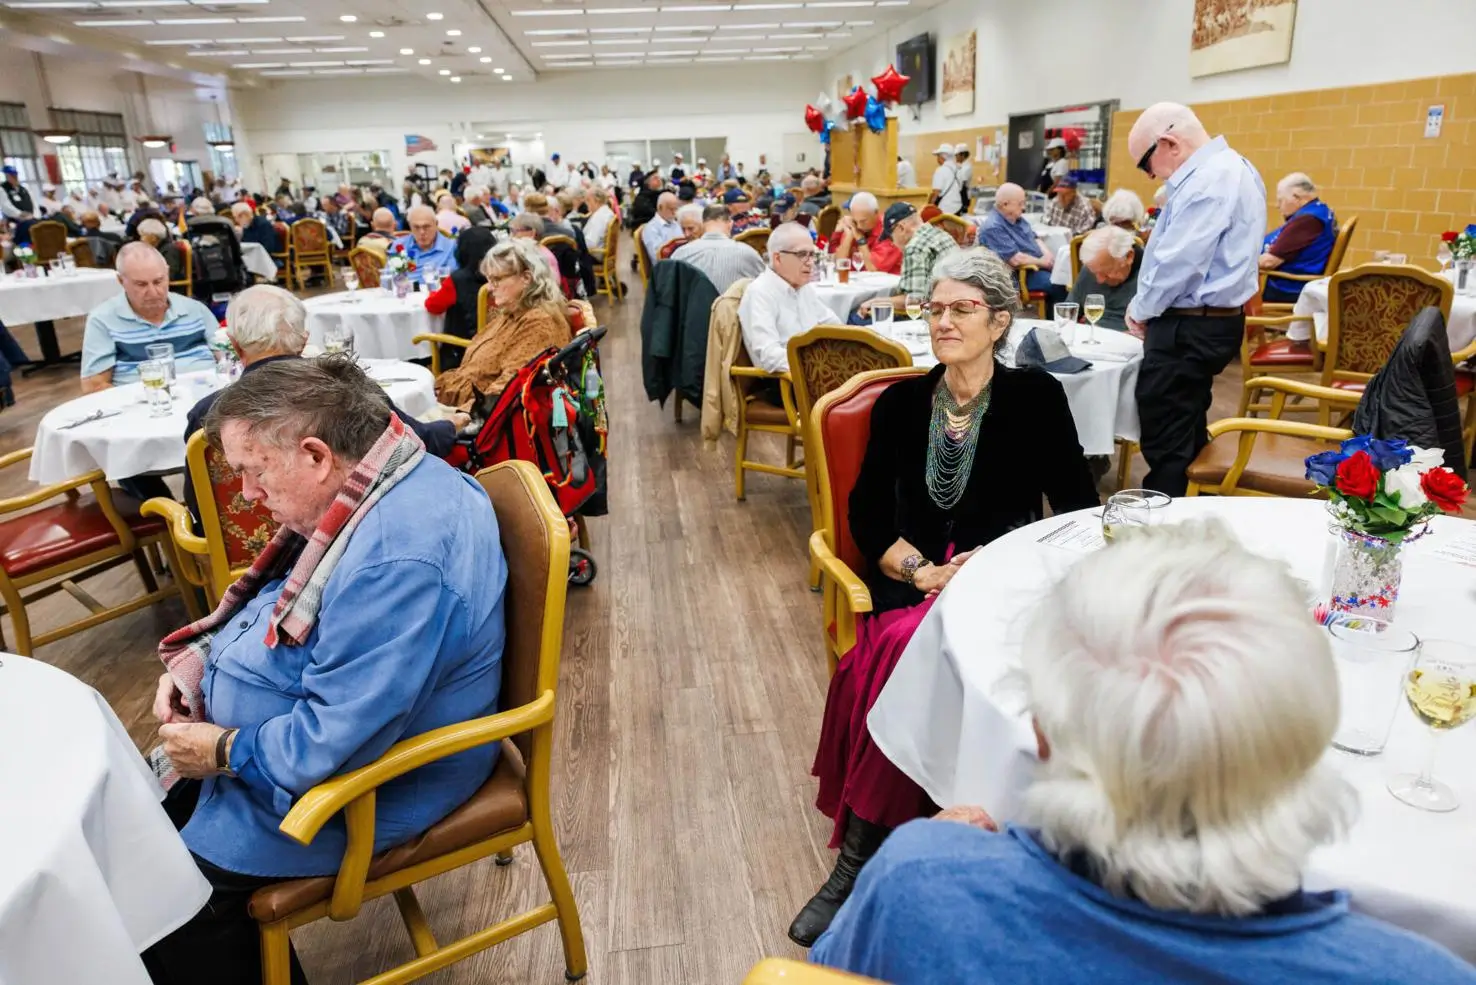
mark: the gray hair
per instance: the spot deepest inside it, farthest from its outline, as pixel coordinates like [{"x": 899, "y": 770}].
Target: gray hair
[
  {"x": 1123, "y": 206},
  {"x": 527, "y": 220},
  {"x": 136, "y": 251},
  {"x": 785, "y": 236},
  {"x": 518, "y": 256},
  {"x": 265, "y": 319},
  {"x": 864, "y": 200},
  {"x": 202, "y": 206},
  {"x": 1185, "y": 759},
  {"x": 810, "y": 185},
  {"x": 1115, "y": 241},
  {"x": 980, "y": 269},
  {"x": 691, "y": 211},
  {"x": 1299, "y": 183},
  {"x": 599, "y": 194},
  {"x": 153, "y": 227},
  {"x": 284, "y": 401}
]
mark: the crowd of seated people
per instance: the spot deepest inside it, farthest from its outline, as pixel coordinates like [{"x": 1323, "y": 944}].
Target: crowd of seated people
[{"x": 723, "y": 261}]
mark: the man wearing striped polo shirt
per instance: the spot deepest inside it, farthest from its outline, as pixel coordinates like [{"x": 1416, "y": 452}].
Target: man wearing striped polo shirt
[{"x": 120, "y": 329}]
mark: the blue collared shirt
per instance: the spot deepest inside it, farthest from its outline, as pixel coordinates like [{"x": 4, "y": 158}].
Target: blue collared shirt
[
  {"x": 1007, "y": 238},
  {"x": 409, "y": 638},
  {"x": 116, "y": 338},
  {"x": 442, "y": 254},
  {"x": 1207, "y": 239}
]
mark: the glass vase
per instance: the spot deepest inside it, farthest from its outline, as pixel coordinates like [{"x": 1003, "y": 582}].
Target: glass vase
[
  {"x": 1366, "y": 575},
  {"x": 402, "y": 285},
  {"x": 1465, "y": 276}
]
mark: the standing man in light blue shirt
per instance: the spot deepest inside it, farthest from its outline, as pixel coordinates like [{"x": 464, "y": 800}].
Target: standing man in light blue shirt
[{"x": 1199, "y": 270}]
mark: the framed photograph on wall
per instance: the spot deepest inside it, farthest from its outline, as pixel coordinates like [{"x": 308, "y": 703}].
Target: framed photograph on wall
[
  {"x": 959, "y": 54},
  {"x": 1230, "y": 35}
]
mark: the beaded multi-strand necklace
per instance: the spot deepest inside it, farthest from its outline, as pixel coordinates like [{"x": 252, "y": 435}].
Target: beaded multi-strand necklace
[{"x": 953, "y": 434}]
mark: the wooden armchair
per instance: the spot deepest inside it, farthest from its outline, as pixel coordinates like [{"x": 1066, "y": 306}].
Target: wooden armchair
[
  {"x": 782, "y": 971},
  {"x": 81, "y": 251},
  {"x": 1249, "y": 456},
  {"x": 48, "y": 239},
  {"x": 512, "y": 807},
  {"x": 670, "y": 247},
  {"x": 283, "y": 258},
  {"x": 607, "y": 274},
  {"x": 1333, "y": 265},
  {"x": 234, "y": 530},
  {"x": 312, "y": 247},
  {"x": 837, "y": 431},
  {"x": 827, "y": 220},
  {"x": 57, "y": 545},
  {"x": 1266, "y": 350},
  {"x": 367, "y": 264},
  {"x": 186, "y": 284},
  {"x": 643, "y": 259},
  {"x": 756, "y": 238},
  {"x": 1027, "y": 296},
  {"x": 755, "y": 414},
  {"x": 961, "y": 229}
]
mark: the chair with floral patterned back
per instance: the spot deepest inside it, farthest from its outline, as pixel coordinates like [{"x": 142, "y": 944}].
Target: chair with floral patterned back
[
  {"x": 233, "y": 529},
  {"x": 312, "y": 248},
  {"x": 283, "y": 258},
  {"x": 961, "y": 229},
  {"x": 367, "y": 264},
  {"x": 48, "y": 239},
  {"x": 1368, "y": 309},
  {"x": 758, "y": 238},
  {"x": 824, "y": 359}
]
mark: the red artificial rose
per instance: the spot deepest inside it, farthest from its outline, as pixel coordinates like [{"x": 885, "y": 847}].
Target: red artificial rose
[
  {"x": 1445, "y": 489},
  {"x": 1449, "y": 237},
  {"x": 399, "y": 247},
  {"x": 1357, "y": 476}
]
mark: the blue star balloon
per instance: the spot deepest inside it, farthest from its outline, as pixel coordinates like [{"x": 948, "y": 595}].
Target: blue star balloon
[
  {"x": 876, "y": 115},
  {"x": 825, "y": 132}
]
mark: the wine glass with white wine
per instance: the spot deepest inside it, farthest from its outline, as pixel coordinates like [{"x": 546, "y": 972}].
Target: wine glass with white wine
[
  {"x": 1441, "y": 691},
  {"x": 1132, "y": 508},
  {"x": 1094, "y": 307}
]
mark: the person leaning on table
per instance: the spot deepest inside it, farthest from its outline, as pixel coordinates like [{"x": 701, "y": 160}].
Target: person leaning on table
[{"x": 1165, "y": 835}]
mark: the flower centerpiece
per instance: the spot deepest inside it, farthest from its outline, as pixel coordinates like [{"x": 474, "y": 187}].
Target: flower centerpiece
[
  {"x": 1382, "y": 495},
  {"x": 1462, "y": 244},
  {"x": 398, "y": 267},
  {"x": 26, "y": 257}
]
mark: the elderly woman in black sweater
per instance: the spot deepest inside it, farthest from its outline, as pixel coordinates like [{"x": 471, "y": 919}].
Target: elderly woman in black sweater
[
  {"x": 457, "y": 297},
  {"x": 955, "y": 459}
]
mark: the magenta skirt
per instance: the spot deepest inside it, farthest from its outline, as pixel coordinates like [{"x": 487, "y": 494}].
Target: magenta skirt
[{"x": 854, "y": 774}]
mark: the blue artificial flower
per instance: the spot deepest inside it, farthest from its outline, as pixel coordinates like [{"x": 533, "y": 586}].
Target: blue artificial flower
[
  {"x": 1322, "y": 468},
  {"x": 1471, "y": 230},
  {"x": 1386, "y": 455}
]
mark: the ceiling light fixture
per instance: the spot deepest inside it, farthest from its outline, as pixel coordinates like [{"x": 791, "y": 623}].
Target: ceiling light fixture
[
  {"x": 672, "y": 54},
  {"x": 710, "y": 61},
  {"x": 747, "y": 27},
  {"x": 507, "y": 78},
  {"x": 217, "y": 54},
  {"x": 562, "y": 12},
  {"x": 337, "y": 64},
  {"x": 767, "y": 6},
  {"x": 485, "y": 59},
  {"x": 499, "y": 71},
  {"x": 843, "y": 3},
  {"x": 347, "y": 18},
  {"x": 474, "y": 50},
  {"x": 425, "y": 61},
  {"x": 696, "y": 9},
  {"x": 55, "y": 136},
  {"x": 553, "y": 31},
  {"x": 338, "y": 51},
  {"x": 813, "y": 24},
  {"x": 597, "y": 11},
  {"x": 182, "y": 41},
  {"x": 619, "y": 30},
  {"x": 453, "y": 33},
  {"x": 311, "y": 38},
  {"x": 766, "y": 58},
  {"x": 376, "y": 34},
  {"x": 111, "y": 23},
  {"x": 697, "y": 29},
  {"x": 195, "y": 21},
  {"x": 270, "y": 20},
  {"x": 445, "y": 71},
  {"x": 260, "y": 65},
  {"x": 560, "y": 44},
  {"x": 434, "y": 16},
  {"x": 455, "y": 78},
  {"x": 339, "y": 71},
  {"x": 407, "y": 51},
  {"x": 246, "y": 40},
  {"x": 286, "y": 72}
]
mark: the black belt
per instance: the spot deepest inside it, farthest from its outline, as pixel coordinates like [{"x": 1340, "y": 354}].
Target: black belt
[{"x": 1205, "y": 311}]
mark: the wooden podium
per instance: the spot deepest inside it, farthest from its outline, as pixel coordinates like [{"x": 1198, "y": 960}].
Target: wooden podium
[{"x": 862, "y": 161}]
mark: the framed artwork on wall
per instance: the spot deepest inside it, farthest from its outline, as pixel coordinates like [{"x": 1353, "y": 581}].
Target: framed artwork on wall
[
  {"x": 1230, "y": 35},
  {"x": 959, "y": 54}
]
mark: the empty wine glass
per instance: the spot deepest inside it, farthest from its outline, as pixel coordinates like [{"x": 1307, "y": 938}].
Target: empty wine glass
[
  {"x": 351, "y": 282},
  {"x": 1443, "y": 256},
  {"x": 1065, "y": 313},
  {"x": 1441, "y": 691},
  {"x": 1094, "y": 308},
  {"x": 1131, "y": 508}
]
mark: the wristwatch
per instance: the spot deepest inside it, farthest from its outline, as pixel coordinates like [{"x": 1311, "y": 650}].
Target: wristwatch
[
  {"x": 910, "y": 566},
  {"x": 222, "y": 756}
]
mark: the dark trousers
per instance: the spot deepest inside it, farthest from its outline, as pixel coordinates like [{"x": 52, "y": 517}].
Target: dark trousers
[
  {"x": 1275, "y": 295},
  {"x": 1040, "y": 280},
  {"x": 220, "y": 945},
  {"x": 1182, "y": 355}
]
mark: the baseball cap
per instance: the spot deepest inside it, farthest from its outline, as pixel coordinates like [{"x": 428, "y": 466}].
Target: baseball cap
[
  {"x": 1043, "y": 349},
  {"x": 733, "y": 195},
  {"x": 784, "y": 203},
  {"x": 1055, "y": 142},
  {"x": 701, "y": 160},
  {"x": 895, "y": 213},
  {"x": 943, "y": 149},
  {"x": 9, "y": 169},
  {"x": 1065, "y": 181}
]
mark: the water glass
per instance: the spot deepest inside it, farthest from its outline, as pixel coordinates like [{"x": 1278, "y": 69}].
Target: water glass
[
  {"x": 1372, "y": 659},
  {"x": 1398, "y": 258},
  {"x": 1465, "y": 276},
  {"x": 351, "y": 282},
  {"x": 431, "y": 280},
  {"x": 881, "y": 316},
  {"x": 152, "y": 374},
  {"x": 339, "y": 339},
  {"x": 1132, "y": 508},
  {"x": 163, "y": 352},
  {"x": 54, "y": 267},
  {"x": 1066, "y": 321}
]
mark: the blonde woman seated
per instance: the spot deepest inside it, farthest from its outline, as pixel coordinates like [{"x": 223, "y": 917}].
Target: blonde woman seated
[
  {"x": 526, "y": 317},
  {"x": 448, "y": 219}
]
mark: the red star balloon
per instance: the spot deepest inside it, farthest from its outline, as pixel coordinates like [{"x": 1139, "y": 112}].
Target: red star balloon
[
  {"x": 855, "y": 104},
  {"x": 889, "y": 85},
  {"x": 814, "y": 119}
]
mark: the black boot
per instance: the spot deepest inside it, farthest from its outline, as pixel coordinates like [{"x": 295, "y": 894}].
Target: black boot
[{"x": 861, "y": 842}]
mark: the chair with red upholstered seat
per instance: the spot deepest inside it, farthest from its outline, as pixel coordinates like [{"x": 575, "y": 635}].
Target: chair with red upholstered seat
[
  {"x": 512, "y": 807},
  {"x": 57, "y": 545},
  {"x": 836, "y": 434},
  {"x": 284, "y": 258}
]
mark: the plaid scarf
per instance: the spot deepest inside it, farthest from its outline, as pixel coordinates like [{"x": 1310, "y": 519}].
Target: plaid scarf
[{"x": 186, "y": 651}]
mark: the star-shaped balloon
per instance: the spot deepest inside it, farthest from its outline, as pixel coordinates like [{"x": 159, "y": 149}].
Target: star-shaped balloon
[
  {"x": 825, "y": 133},
  {"x": 814, "y": 119},
  {"x": 889, "y": 85},
  {"x": 876, "y": 115},
  {"x": 855, "y": 104}
]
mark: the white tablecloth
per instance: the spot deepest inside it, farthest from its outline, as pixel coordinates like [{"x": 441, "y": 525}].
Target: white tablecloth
[
  {"x": 383, "y": 324},
  {"x": 864, "y": 285},
  {"x": 1103, "y": 399},
  {"x": 23, "y": 301},
  {"x": 92, "y": 871},
  {"x": 1313, "y": 303},
  {"x": 1054, "y": 237},
  {"x": 1061, "y": 271},
  {"x": 946, "y": 722},
  {"x": 133, "y": 442},
  {"x": 259, "y": 261}
]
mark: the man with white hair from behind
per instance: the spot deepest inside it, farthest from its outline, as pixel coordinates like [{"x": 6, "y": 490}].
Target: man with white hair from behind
[
  {"x": 1180, "y": 794},
  {"x": 1110, "y": 258},
  {"x": 1301, "y": 245},
  {"x": 781, "y": 303}
]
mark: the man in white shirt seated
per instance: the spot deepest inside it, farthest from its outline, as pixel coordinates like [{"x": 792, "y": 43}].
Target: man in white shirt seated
[
  {"x": 663, "y": 227},
  {"x": 781, "y": 303}
]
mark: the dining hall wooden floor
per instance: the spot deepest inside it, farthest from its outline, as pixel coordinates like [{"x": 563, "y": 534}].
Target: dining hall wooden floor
[{"x": 690, "y": 697}]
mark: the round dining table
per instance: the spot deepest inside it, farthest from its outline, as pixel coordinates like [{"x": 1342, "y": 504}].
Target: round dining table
[
  {"x": 949, "y": 720},
  {"x": 1312, "y": 303},
  {"x": 383, "y": 324},
  {"x": 43, "y": 299},
  {"x": 258, "y": 261},
  {"x": 1103, "y": 399},
  {"x": 863, "y": 285},
  {"x": 92, "y": 872},
  {"x": 113, "y": 430}
]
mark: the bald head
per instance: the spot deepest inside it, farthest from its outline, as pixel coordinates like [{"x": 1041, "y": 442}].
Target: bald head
[
  {"x": 382, "y": 221},
  {"x": 1172, "y": 131},
  {"x": 145, "y": 279},
  {"x": 666, "y": 206},
  {"x": 1009, "y": 200}
]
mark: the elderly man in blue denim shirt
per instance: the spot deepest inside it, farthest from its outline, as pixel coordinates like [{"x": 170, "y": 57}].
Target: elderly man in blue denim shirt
[
  {"x": 1200, "y": 268},
  {"x": 1006, "y": 232},
  {"x": 403, "y": 634}
]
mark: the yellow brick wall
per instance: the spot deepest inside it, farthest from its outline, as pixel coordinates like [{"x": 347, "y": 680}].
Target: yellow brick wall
[{"x": 1365, "y": 148}]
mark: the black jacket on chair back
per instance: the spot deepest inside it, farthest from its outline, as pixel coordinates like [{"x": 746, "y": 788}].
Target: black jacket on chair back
[
  {"x": 1414, "y": 395},
  {"x": 674, "y": 331}
]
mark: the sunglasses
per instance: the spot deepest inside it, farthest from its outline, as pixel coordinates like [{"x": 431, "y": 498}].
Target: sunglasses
[
  {"x": 957, "y": 310},
  {"x": 1145, "y": 163}
]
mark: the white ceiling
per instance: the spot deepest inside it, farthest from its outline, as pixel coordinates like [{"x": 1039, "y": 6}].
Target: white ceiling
[{"x": 455, "y": 40}]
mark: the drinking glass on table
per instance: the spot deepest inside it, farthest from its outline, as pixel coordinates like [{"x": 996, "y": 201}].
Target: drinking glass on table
[
  {"x": 1132, "y": 508},
  {"x": 351, "y": 282},
  {"x": 339, "y": 338},
  {"x": 1066, "y": 313},
  {"x": 163, "y": 352},
  {"x": 1399, "y": 258},
  {"x": 1373, "y": 659},
  {"x": 1443, "y": 256},
  {"x": 152, "y": 374},
  {"x": 431, "y": 280},
  {"x": 881, "y": 317},
  {"x": 914, "y": 307},
  {"x": 1441, "y": 691},
  {"x": 1094, "y": 308}
]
